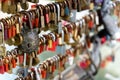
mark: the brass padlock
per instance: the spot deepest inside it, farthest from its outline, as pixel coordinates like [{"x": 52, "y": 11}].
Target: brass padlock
[
  {"x": 35, "y": 58},
  {"x": 9, "y": 6},
  {"x": 2, "y": 48},
  {"x": 9, "y": 63},
  {"x": 76, "y": 33},
  {"x": 66, "y": 35},
  {"x": 62, "y": 11}
]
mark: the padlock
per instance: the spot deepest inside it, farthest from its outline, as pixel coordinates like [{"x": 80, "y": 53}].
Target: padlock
[
  {"x": 35, "y": 59},
  {"x": 61, "y": 67},
  {"x": 9, "y": 29},
  {"x": 21, "y": 59},
  {"x": 52, "y": 16},
  {"x": 47, "y": 20},
  {"x": 90, "y": 23},
  {"x": 44, "y": 71},
  {"x": 18, "y": 37},
  {"x": 50, "y": 41},
  {"x": 67, "y": 10},
  {"x": 75, "y": 33},
  {"x": 53, "y": 65},
  {"x": 1, "y": 66},
  {"x": 40, "y": 43},
  {"x": 2, "y": 48},
  {"x": 42, "y": 19},
  {"x": 78, "y": 6},
  {"x": 66, "y": 35},
  {"x": 62, "y": 12},
  {"x": 9, "y": 6},
  {"x": 91, "y": 6},
  {"x": 73, "y": 12},
  {"x": 55, "y": 14},
  {"x": 32, "y": 15},
  {"x": 13, "y": 61},
  {"x": 16, "y": 56},
  {"x": 29, "y": 44},
  {"x": 9, "y": 62},
  {"x": 37, "y": 14},
  {"x": 6, "y": 62},
  {"x": 4, "y": 26},
  {"x": 53, "y": 37},
  {"x": 58, "y": 13}
]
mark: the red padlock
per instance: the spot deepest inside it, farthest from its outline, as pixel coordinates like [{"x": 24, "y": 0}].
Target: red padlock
[
  {"x": 90, "y": 24},
  {"x": 21, "y": 58},
  {"x": 37, "y": 22},
  {"x": 1, "y": 67},
  {"x": 13, "y": 62},
  {"x": 43, "y": 73},
  {"x": 6, "y": 65},
  {"x": 9, "y": 32},
  {"x": 13, "y": 31}
]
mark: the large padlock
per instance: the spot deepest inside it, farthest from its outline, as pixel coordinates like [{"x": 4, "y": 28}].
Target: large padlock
[{"x": 30, "y": 36}]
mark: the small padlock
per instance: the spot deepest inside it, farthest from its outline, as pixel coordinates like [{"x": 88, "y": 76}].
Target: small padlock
[
  {"x": 90, "y": 23},
  {"x": 53, "y": 65},
  {"x": 46, "y": 14},
  {"x": 1, "y": 66},
  {"x": 9, "y": 6},
  {"x": 62, "y": 11},
  {"x": 50, "y": 12},
  {"x": 67, "y": 10},
  {"x": 60, "y": 63},
  {"x": 42, "y": 19},
  {"x": 6, "y": 68},
  {"x": 52, "y": 35},
  {"x": 50, "y": 41},
  {"x": 44, "y": 74},
  {"x": 21, "y": 59},
  {"x": 18, "y": 37},
  {"x": 13, "y": 61},
  {"x": 91, "y": 6},
  {"x": 75, "y": 34},
  {"x": 35, "y": 59},
  {"x": 37, "y": 14},
  {"x": 66, "y": 35},
  {"x": 9, "y": 62},
  {"x": 17, "y": 57}
]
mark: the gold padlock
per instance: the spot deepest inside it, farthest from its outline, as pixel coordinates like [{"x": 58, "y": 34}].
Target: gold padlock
[
  {"x": 2, "y": 48},
  {"x": 66, "y": 35}
]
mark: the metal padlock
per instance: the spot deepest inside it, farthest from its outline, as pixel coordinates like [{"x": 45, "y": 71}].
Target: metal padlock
[
  {"x": 30, "y": 36},
  {"x": 9, "y": 6},
  {"x": 2, "y": 48},
  {"x": 35, "y": 59},
  {"x": 1, "y": 66}
]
